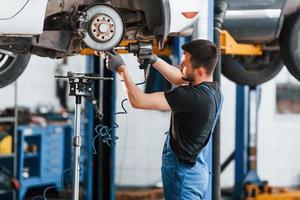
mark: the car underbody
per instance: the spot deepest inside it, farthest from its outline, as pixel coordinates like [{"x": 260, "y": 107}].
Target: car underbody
[
  {"x": 72, "y": 25},
  {"x": 66, "y": 26}
]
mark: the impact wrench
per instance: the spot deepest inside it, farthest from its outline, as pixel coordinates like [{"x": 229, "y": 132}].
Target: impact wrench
[{"x": 138, "y": 49}]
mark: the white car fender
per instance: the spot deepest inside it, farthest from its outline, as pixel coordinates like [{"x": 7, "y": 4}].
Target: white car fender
[
  {"x": 178, "y": 9},
  {"x": 17, "y": 18},
  {"x": 12, "y": 8}
]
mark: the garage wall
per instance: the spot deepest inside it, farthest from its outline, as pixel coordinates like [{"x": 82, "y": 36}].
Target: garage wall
[
  {"x": 227, "y": 130},
  {"x": 278, "y": 141},
  {"x": 36, "y": 85}
]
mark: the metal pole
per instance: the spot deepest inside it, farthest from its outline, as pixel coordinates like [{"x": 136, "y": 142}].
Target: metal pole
[
  {"x": 88, "y": 139},
  {"x": 98, "y": 158},
  {"x": 16, "y": 116},
  {"x": 76, "y": 148},
  {"x": 241, "y": 139},
  {"x": 220, "y": 9}
]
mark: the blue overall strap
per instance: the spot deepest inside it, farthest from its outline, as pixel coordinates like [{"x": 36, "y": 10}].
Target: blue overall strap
[{"x": 218, "y": 106}]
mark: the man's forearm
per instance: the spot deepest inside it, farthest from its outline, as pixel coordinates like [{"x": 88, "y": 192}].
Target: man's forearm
[
  {"x": 139, "y": 99},
  {"x": 135, "y": 95},
  {"x": 171, "y": 73}
]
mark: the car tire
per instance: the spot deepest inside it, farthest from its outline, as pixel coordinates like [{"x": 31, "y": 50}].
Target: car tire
[
  {"x": 255, "y": 71},
  {"x": 11, "y": 66},
  {"x": 290, "y": 44}
]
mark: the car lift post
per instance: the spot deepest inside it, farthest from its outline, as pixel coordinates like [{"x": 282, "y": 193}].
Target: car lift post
[
  {"x": 104, "y": 159},
  {"x": 247, "y": 106},
  {"x": 100, "y": 165},
  {"x": 89, "y": 127},
  {"x": 241, "y": 139}
]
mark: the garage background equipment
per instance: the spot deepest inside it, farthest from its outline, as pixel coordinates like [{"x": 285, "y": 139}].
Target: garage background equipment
[{"x": 5, "y": 143}]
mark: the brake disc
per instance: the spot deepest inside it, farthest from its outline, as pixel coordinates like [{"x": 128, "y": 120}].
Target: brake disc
[{"x": 105, "y": 27}]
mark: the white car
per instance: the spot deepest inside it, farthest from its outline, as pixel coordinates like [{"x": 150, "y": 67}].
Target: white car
[{"x": 59, "y": 28}]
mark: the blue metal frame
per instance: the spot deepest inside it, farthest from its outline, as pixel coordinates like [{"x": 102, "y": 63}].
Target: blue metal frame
[
  {"x": 243, "y": 172},
  {"x": 100, "y": 182},
  {"x": 89, "y": 127},
  {"x": 177, "y": 51},
  {"x": 113, "y": 132},
  {"x": 241, "y": 138}
]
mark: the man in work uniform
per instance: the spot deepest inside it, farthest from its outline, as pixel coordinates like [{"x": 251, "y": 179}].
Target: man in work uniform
[{"x": 195, "y": 104}]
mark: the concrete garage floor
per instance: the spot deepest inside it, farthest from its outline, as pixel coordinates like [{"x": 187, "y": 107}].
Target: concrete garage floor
[
  {"x": 122, "y": 194},
  {"x": 52, "y": 194}
]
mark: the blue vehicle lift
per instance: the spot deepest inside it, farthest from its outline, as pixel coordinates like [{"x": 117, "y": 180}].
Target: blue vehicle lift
[{"x": 247, "y": 106}]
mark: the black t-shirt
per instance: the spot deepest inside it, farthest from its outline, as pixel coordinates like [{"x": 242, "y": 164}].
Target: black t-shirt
[{"x": 193, "y": 110}]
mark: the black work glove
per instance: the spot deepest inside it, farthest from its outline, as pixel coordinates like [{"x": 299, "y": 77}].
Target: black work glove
[
  {"x": 114, "y": 60},
  {"x": 151, "y": 58}
]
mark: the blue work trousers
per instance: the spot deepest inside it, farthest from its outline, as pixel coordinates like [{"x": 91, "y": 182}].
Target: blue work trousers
[{"x": 182, "y": 181}]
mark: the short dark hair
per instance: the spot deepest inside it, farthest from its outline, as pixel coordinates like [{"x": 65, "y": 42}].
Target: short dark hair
[{"x": 204, "y": 54}]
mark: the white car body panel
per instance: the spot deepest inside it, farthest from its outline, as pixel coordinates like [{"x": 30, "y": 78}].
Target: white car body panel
[
  {"x": 178, "y": 21},
  {"x": 22, "y": 17},
  {"x": 17, "y": 13},
  {"x": 11, "y": 8}
]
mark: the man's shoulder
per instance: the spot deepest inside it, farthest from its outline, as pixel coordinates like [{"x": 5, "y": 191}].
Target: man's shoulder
[
  {"x": 211, "y": 85},
  {"x": 199, "y": 90}
]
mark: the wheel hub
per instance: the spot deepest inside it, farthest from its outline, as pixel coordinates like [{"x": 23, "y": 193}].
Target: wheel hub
[
  {"x": 102, "y": 28},
  {"x": 105, "y": 27}
]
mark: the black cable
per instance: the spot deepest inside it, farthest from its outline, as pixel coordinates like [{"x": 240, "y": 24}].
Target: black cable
[
  {"x": 123, "y": 107},
  {"x": 105, "y": 131}
]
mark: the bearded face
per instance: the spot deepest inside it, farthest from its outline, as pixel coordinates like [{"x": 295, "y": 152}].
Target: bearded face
[{"x": 186, "y": 68}]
